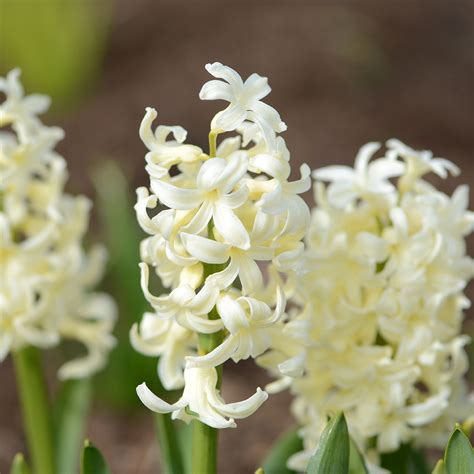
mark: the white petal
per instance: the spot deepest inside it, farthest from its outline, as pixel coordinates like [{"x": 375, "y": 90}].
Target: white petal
[
  {"x": 144, "y": 279},
  {"x": 205, "y": 250},
  {"x": 257, "y": 86},
  {"x": 230, "y": 227},
  {"x": 205, "y": 300},
  {"x": 146, "y": 133},
  {"x": 241, "y": 409},
  {"x": 230, "y": 118},
  {"x": 152, "y": 402},
  {"x": 335, "y": 173},
  {"x": 235, "y": 199},
  {"x": 232, "y": 314},
  {"x": 215, "y": 90},
  {"x": 269, "y": 115},
  {"x": 176, "y": 198},
  {"x": 226, "y": 277},
  {"x": 217, "y": 356},
  {"x": 200, "y": 220},
  {"x": 225, "y": 72},
  {"x": 249, "y": 274},
  {"x": 144, "y": 201},
  {"x": 303, "y": 184},
  {"x": 364, "y": 155}
]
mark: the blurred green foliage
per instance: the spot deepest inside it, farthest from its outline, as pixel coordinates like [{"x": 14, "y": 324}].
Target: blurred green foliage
[
  {"x": 285, "y": 446},
  {"x": 70, "y": 415},
  {"x": 58, "y": 44},
  {"x": 121, "y": 234}
]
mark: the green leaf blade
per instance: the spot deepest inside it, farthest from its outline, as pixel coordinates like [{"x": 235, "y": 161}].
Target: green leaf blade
[
  {"x": 459, "y": 457},
  {"x": 19, "y": 465},
  {"x": 287, "y": 445},
  {"x": 332, "y": 453},
  {"x": 70, "y": 416},
  {"x": 92, "y": 460},
  {"x": 440, "y": 468}
]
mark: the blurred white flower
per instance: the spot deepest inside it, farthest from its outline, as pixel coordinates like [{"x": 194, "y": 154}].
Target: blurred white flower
[
  {"x": 381, "y": 298},
  {"x": 47, "y": 278},
  {"x": 420, "y": 162},
  {"x": 364, "y": 180},
  {"x": 18, "y": 109}
]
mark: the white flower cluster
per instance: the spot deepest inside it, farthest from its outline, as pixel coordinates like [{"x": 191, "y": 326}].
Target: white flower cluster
[
  {"x": 382, "y": 300},
  {"x": 224, "y": 212},
  {"x": 46, "y": 276}
]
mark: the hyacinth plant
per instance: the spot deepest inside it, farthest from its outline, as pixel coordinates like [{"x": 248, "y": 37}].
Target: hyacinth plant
[
  {"x": 47, "y": 277},
  {"x": 223, "y": 212}
]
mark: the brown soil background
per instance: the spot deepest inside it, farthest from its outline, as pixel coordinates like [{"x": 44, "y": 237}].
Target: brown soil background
[{"x": 342, "y": 72}]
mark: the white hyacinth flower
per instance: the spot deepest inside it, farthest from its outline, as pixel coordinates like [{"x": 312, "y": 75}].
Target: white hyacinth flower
[
  {"x": 221, "y": 214},
  {"x": 47, "y": 277},
  {"x": 201, "y": 399},
  {"x": 381, "y": 300},
  {"x": 244, "y": 100}
]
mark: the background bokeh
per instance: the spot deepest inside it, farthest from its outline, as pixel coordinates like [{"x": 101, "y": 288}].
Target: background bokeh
[{"x": 343, "y": 73}]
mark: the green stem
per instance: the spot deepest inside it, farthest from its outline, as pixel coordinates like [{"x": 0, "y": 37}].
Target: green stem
[
  {"x": 171, "y": 456},
  {"x": 35, "y": 408},
  {"x": 205, "y": 438},
  {"x": 204, "y": 455}
]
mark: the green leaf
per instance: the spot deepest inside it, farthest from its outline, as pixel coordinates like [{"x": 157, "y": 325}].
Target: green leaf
[
  {"x": 92, "y": 460},
  {"x": 332, "y": 453},
  {"x": 356, "y": 460},
  {"x": 440, "y": 467},
  {"x": 19, "y": 465},
  {"x": 288, "y": 444},
  {"x": 459, "y": 457},
  {"x": 70, "y": 416}
]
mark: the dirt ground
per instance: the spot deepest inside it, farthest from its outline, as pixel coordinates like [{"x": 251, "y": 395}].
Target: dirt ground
[{"x": 342, "y": 73}]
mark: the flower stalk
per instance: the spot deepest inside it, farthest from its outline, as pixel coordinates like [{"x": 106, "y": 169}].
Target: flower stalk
[
  {"x": 213, "y": 143},
  {"x": 35, "y": 408},
  {"x": 205, "y": 438}
]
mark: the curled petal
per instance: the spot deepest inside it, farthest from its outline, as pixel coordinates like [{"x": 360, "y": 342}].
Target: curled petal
[
  {"x": 230, "y": 118},
  {"x": 220, "y": 71},
  {"x": 154, "y": 403},
  {"x": 177, "y": 198},
  {"x": 241, "y": 409},
  {"x": 217, "y": 356},
  {"x": 146, "y": 133},
  {"x": 215, "y": 90},
  {"x": 232, "y": 314},
  {"x": 205, "y": 250},
  {"x": 230, "y": 227}
]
